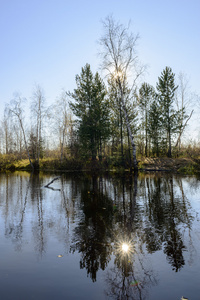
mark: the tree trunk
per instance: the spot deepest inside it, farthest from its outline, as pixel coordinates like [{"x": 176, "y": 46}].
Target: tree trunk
[
  {"x": 26, "y": 144},
  {"x": 135, "y": 165},
  {"x": 169, "y": 154},
  {"x": 100, "y": 150},
  {"x": 129, "y": 148},
  {"x": 146, "y": 138},
  {"x": 181, "y": 131},
  {"x": 121, "y": 136}
]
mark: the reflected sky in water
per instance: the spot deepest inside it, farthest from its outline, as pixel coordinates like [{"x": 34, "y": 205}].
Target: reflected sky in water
[{"x": 93, "y": 237}]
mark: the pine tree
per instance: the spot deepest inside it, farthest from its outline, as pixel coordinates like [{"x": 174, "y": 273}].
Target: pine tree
[
  {"x": 146, "y": 94},
  {"x": 155, "y": 131},
  {"x": 166, "y": 90},
  {"x": 92, "y": 109}
]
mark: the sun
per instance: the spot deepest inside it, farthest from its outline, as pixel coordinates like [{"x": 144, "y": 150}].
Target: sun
[{"x": 125, "y": 248}]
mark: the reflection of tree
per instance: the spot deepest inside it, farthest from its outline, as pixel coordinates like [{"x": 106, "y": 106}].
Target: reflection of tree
[
  {"x": 16, "y": 229},
  {"x": 29, "y": 220},
  {"x": 122, "y": 281},
  {"x": 38, "y": 228},
  {"x": 166, "y": 212},
  {"x": 173, "y": 248},
  {"x": 155, "y": 224},
  {"x": 129, "y": 278},
  {"x": 92, "y": 214},
  {"x": 92, "y": 235}
]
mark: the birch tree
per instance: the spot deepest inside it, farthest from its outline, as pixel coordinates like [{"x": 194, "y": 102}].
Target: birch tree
[
  {"x": 62, "y": 121},
  {"x": 38, "y": 113},
  {"x": 6, "y": 131},
  {"x": 15, "y": 108},
  {"x": 120, "y": 62},
  {"x": 184, "y": 100}
]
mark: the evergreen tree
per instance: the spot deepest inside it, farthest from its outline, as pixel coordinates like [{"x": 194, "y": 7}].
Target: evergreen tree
[
  {"x": 120, "y": 134},
  {"x": 155, "y": 131},
  {"x": 92, "y": 109},
  {"x": 166, "y": 90},
  {"x": 146, "y": 94}
]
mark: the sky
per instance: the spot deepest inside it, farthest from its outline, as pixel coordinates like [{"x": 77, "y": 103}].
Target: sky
[{"x": 47, "y": 42}]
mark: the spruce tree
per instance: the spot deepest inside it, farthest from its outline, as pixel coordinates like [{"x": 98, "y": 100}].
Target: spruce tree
[
  {"x": 166, "y": 91},
  {"x": 146, "y": 95},
  {"x": 155, "y": 131},
  {"x": 91, "y": 107}
]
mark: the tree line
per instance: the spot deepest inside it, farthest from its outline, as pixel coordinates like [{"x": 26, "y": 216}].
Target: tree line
[{"x": 114, "y": 118}]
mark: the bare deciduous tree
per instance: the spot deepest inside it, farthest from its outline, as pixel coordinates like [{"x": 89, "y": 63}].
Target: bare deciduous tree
[
  {"x": 184, "y": 100},
  {"x": 6, "y": 130},
  {"x": 15, "y": 108},
  {"x": 62, "y": 121},
  {"x": 120, "y": 61},
  {"x": 38, "y": 112}
]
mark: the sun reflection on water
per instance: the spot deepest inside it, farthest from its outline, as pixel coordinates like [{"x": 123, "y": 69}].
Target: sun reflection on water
[{"x": 124, "y": 247}]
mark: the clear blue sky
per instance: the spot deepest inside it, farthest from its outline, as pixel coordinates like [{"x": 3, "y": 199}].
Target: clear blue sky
[{"x": 48, "y": 41}]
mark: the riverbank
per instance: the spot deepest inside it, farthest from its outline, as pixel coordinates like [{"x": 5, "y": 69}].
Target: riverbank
[
  {"x": 146, "y": 164},
  {"x": 177, "y": 165}
]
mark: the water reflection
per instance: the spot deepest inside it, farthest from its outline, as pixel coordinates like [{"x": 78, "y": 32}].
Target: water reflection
[
  {"x": 94, "y": 216},
  {"x": 93, "y": 234},
  {"x": 15, "y": 210},
  {"x": 167, "y": 211}
]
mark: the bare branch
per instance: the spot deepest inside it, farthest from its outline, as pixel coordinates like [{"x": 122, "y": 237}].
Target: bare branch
[
  {"x": 181, "y": 132},
  {"x": 120, "y": 62},
  {"x": 56, "y": 178}
]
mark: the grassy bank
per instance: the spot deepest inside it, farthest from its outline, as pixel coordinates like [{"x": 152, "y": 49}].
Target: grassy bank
[{"x": 178, "y": 165}]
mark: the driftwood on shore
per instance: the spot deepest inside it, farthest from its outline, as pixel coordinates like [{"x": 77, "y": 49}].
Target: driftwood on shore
[{"x": 56, "y": 178}]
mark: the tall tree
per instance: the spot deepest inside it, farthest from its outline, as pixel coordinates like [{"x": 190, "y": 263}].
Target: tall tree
[
  {"x": 155, "y": 130},
  {"x": 146, "y": 95},
  {"x": 15, "y": 108},
  {"x": 62, "y": 121},
  {"x": 166, "y": 90},
  {"x": 38, "y": 113},
  {"x": 91, "y": 107},
  {"x": 116, "y": 121},
  {"x": 6, "y": 131},
  {"x": 120, "y": 62},
  {"x": 184, "y": 100},
  {"x": 119, "y": 128}
]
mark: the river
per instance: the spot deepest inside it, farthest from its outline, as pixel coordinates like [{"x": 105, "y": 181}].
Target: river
[{"x": 99, "y": 237}]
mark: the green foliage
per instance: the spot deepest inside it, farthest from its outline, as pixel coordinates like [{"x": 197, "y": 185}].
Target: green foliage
[
  {"x": 146, "y": 93},
  {"x": 119, "y": 131},
  {"x": 10, "y": 162},
  {"x": 166, "y": 91},
  {"x": 155, "y": 130},
  {"x": 92, "y": 109},
  {"x": 145, "y": 98},
  {"x": 188, "y": 170},
  {"x": 35, "y": 147},
  {"x": 99, "y": 136},
  {"x": 32, "y": 146}
]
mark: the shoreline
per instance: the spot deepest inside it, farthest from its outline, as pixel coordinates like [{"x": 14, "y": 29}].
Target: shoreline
[{"x": 145, "y": 164}]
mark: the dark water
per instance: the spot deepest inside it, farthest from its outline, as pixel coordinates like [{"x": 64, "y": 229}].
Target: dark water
[{"x": 65, "y": 242}]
